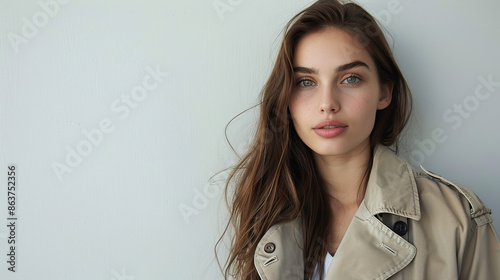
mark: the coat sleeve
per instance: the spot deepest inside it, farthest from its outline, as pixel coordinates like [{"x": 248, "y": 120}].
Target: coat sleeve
[{"x": 482, "y": 254}]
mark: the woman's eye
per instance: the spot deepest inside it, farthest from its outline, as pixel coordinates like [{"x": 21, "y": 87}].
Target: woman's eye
[
  {"x": 351, "y": 80},
  {"x": 306, "y": 83}
]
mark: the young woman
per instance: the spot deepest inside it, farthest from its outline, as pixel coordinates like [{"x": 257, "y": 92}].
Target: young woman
[{"x": 320, "y": 195}]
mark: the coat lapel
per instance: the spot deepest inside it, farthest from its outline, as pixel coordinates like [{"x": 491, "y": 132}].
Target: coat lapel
[{"x": 370, "y": 250}]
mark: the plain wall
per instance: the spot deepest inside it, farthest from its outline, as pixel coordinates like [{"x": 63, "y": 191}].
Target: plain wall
[{"x": 113, "y": 113}]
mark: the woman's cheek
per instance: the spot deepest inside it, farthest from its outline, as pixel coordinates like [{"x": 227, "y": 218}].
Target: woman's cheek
[{"x": 366, "y": 103}]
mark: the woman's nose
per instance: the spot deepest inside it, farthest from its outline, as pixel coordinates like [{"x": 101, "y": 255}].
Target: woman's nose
[{"x": 329, "y": 100}]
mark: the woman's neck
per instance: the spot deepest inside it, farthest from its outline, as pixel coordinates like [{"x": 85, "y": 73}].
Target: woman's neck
[{"x": 343, "y": 175}]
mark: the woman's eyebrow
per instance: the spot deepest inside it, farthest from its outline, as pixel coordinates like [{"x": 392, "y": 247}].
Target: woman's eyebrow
[
  {"x": 343, "y": 67},
  {"x": 305, "y": 70},
  {"x": 351, "y": 65}
]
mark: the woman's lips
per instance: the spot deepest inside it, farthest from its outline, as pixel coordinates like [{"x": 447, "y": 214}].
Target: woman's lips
[{"x": 329, "y": 128}]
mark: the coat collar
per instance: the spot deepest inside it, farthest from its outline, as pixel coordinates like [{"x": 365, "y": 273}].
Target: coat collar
[
  {"x": 369, "y": 250},
  {"x": 391, "y": 187}
]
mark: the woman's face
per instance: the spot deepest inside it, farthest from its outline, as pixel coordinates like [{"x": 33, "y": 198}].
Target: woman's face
[{"x": 336, "y": 95}]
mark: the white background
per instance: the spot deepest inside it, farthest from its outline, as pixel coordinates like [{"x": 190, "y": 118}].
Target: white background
[{"x": 117, "y": 214}]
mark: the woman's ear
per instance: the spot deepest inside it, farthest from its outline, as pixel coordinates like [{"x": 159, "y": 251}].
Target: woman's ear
[{"x": 385, "y": 95}]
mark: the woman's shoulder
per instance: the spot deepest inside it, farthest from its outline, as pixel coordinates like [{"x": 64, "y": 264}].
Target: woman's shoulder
[
  {"x": 455, "y": 219},
  {"x": 393, "y": 181},
  {"x": 454, "y": 197}
]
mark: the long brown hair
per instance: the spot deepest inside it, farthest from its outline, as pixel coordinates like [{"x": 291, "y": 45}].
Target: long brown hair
[{"x": 276, "y": 181}]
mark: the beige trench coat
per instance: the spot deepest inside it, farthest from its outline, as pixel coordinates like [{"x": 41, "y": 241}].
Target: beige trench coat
[{"x": 410, "y": 225}]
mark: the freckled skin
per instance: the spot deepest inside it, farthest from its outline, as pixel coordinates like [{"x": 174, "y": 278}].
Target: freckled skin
[{"x": 351, "y": 96}]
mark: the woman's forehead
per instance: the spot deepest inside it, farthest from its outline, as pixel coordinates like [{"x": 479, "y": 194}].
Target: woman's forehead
[{"x": 329, "y": 46}]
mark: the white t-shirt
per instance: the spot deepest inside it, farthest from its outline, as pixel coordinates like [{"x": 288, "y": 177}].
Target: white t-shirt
[{"x": 328, "y": 260}]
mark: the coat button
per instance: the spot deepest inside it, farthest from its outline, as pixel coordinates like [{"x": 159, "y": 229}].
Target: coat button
[
  {"x": 269, "y": 248},
  {"x": 400, "y": 227}
]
